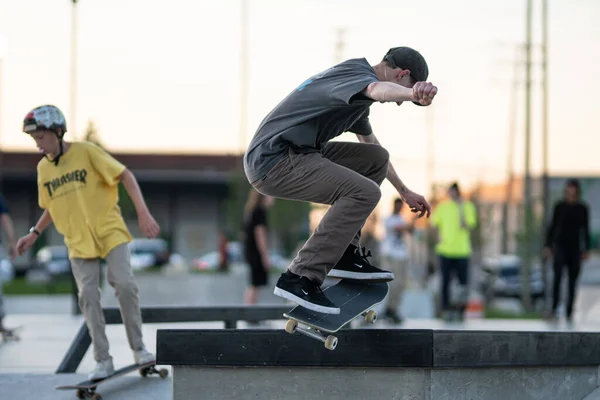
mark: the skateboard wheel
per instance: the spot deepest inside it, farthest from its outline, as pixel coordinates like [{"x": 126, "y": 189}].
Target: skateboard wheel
[
  {"x": 163, "y": 373},
  {"x": 290, "y": 326},
  {"x": 96, "y": 396},
  {"x": 371, "y": 317},
  {"x": 80, "y": 394},
  {"x": 331, "y": 342}
]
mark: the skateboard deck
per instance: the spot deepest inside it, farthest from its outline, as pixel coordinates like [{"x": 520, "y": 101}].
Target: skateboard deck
[
  {"x": 10, "y": 333},
  {"x": 87, "y": 388},
  {"x": 354, "y": 298}
]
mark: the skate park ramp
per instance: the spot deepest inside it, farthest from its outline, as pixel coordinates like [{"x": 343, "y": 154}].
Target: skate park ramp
[{"x": 381, "y": 363}]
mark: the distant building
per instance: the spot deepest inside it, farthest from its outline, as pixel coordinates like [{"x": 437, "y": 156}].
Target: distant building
[{"x": 185, "y": 193}]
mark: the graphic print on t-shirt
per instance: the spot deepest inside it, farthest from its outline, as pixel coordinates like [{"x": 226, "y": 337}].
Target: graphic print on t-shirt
[{"x": 66, "y": 183}]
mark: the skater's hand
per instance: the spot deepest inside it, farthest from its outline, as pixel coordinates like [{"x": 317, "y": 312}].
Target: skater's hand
[
  {"x": 424, "y": 92},
  {"x": 148, "y": 225},
  {"x": 417, "y": 203},
  {"x": 24, "y": 243}
]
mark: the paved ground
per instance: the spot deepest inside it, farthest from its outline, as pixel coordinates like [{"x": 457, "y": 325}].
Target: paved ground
[{"x": 48, "y": 329}]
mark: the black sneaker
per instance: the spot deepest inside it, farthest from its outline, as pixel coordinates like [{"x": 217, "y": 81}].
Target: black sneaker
[
  {"x": 354, "y": 265},
  {"x": 304, "y": 292},
  {"x": 393, "y": 316}
]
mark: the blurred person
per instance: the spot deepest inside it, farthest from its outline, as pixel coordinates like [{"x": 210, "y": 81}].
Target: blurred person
[
  {"x": 255, "y": 241},
  {"x": 568, "y": 242},
  {"x": 454, "y": 219},
  {"x": 78, "y": 191},
  {"x": 7, "y": 226},
  {"x": 292, "y": 156},
  {"x": 395, "y": 257},
  {"x": 223, "y": 252}
]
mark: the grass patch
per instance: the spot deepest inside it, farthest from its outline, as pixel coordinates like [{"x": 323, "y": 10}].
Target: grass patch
[
  {"x": 495, "y": 313},
  {"x": 20, "y": 286}
]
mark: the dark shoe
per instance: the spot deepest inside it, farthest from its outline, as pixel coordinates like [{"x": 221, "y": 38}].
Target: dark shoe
[
  {"x": 305, "y": 293},
  {"x": 355, "y": 265},
  {"x": 393, "y": 316}
]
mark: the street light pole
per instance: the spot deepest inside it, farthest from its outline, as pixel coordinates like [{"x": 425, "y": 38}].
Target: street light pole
[
  {"x": 3, "y": 50},
  {"x": 528, "y": 209},
  {"x": 243, "y": 75},
  {"x": 73, "y": 82},
  {"x": 545, "y": 179}
]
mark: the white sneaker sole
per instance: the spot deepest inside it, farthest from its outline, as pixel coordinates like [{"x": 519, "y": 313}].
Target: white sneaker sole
[
  {"x": 362, "y": 276},
  {"x": 313, "y": 307},
  {"x": 95, "y": 378}
]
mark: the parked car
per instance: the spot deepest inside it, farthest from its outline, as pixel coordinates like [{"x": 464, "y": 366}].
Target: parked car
[
  {"x": 210, "y": 261},
  {"x": 147, "y": 253},
  {"x": 53, "y": 260},
  {"x": 501, "y": 277}
]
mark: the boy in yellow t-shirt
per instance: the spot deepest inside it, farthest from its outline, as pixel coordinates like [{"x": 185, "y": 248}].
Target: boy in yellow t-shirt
[
  {"x": 454, "y": 219},
  {"x": 78, "y": 190}
]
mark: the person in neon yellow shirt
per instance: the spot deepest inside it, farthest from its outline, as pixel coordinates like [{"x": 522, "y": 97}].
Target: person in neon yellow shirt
[
  {"x": 454, "y": 220},
  {"x": 78, "y": 190}
]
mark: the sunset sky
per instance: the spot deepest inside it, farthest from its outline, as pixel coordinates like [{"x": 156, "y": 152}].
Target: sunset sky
[{"x": 164, "y": 76}]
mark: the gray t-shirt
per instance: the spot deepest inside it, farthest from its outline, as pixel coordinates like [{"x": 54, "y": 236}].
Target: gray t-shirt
[{"x": 321, "y": 108}]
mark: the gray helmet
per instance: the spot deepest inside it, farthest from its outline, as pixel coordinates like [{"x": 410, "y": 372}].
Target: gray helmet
[{"x": 46, "y": 117}]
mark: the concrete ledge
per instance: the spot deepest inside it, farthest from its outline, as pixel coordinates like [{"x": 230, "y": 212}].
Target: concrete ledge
[
  {"x": 301, "y": 383},
  {"x": 356, "y": 348},
  {"x": 392, "y": 363},
  {"x": 378, "y": 348}
]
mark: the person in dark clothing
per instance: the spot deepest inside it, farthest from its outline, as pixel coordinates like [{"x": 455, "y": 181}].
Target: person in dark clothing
[
  {"x": 255, "y": 242},
  {"x": 568, "y": 241}
]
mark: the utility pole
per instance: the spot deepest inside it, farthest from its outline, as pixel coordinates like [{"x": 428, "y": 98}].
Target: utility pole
[
  {"x": 340, "y": 44},
  {"x": 512, "y": 133},
  {"x": 545, "y": 179},
  {"x": 528, "y": 209},
  {"x": 243, "y": 75},
  {"x": 73, "y": 98},
  {"x": 3, "y": 47}
]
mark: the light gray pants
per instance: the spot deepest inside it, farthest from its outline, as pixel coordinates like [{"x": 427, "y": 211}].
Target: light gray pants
[
  {"x": 344, "y": 175},
  {"x": 120, "y": 277}
]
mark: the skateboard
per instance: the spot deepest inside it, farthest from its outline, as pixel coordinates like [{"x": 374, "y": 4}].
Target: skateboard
[
  {"x": 354, "y": 298},
  {"x": 9, "y": 333},
  {"x": 87, "y": 389}
]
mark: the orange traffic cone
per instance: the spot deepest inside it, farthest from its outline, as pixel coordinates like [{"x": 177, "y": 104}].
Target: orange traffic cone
[{"x": 475, "y": 307}]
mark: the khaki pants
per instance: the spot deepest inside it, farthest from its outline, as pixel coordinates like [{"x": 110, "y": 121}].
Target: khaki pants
[
  {"x": 344, "y": 175},
  {"x": 398, "y": 285},
  {"x": 120, "y": 277}
]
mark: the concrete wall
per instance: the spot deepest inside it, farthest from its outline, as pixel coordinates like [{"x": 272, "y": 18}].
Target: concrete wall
[{"x": 519, "y": 383}]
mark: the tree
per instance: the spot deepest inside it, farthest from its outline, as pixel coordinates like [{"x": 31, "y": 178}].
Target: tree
[{"x": 125, "y": 203}]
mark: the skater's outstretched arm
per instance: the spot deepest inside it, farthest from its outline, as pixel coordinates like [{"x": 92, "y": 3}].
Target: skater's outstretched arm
[
  {"x": 28, "y": 240},
  {"x": 383, "y": 92},
  {"x": 9, "y": 231},
  {"x": 147, "y": 223},
  {"x": 416, "y": 202}
]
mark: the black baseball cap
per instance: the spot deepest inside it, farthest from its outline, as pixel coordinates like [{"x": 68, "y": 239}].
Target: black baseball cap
[{"x": 408, "y": 58}]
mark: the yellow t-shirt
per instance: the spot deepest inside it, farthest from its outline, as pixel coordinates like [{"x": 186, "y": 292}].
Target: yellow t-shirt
[
  {"x": 455, "y": 241},
  {"x": 81, "y": 194}
]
